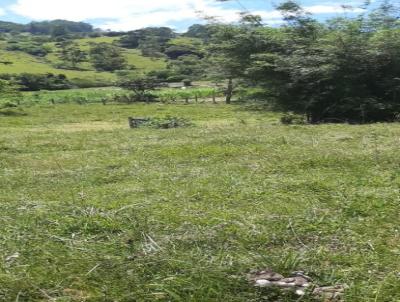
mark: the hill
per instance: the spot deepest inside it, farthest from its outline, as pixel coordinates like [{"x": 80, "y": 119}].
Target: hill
[
  {"x": 89, "y": 57},
  {"x": 46, "y": 27},
  {"x": 22, "y": 62}
]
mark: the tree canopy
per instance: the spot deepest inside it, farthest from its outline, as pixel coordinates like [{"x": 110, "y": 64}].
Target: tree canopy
[{"x": 347, "y": 69}]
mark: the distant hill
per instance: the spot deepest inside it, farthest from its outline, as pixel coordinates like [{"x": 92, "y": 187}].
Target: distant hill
[
  {"x": 46, "y": 27},
  {"x": 21, "y": 62},
  {"x": 46, "y": 47}
]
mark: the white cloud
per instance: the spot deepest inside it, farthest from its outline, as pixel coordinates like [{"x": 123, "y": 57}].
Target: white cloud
[
  {"x": 2, "y": 12},
  {"x": 275, "y": 17},
  {"x": 134, "y": 14},
  {"x": 331, "y": 9},
  {"x": 121, "y": 14}
]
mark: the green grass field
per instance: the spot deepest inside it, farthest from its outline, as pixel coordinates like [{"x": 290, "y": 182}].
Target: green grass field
[
  {"x": 94, "y": 211},
  {"x": 97, "y": 95},
  {"x": 88, "y": 95}
]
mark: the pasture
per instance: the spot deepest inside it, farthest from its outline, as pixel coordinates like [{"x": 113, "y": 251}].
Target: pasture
[
  {"x": 26, "y": 63},
  {"x": 95, "y": 211}
]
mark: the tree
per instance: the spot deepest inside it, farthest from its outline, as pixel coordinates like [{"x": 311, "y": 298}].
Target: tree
[
  {"x": 142, "y": 87},
  {"x": 58, "y": 27},
  {"x": 36, "y": 82},
  {"x": 156, "y": 36},
  {"x": 230, "y": 54},
  {"x": 10, "y": 27},
  {"x": 72, "y": 55},
  {"x": 59, "y": 31},
  {"x": 107, "y": 57},
  {"x": 344, "y": 70},
  {"x": 184, "y": 46},
  {"x": 28, "y": 45},
  {"x": 186, "y": 67},
  {"x": 343, "y": 73},
  {"x": 199, "y": 31}
]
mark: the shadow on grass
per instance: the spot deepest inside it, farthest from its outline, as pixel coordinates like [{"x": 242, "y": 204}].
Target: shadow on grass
[{"x": 10, "y": 113}]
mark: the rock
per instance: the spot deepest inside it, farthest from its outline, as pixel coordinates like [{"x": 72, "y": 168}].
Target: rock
[
  {"x": 263, "y": 283},
  {"x": 301, "y": 281},
  {"x": 300, "y": 292},
  {"x": 301, "y": 274},
  {"x": 267, "y": 275},
  {"x": 12, "y": 257},
  {"x": 269, "y": 278},
  {"x": 288, "y": 280},
  {"x": 297, "y": 283}
]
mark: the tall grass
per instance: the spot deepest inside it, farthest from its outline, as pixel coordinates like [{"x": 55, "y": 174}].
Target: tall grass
[
  {"x": 108, "y": 95},
  {"x": 94, "y": 211}
]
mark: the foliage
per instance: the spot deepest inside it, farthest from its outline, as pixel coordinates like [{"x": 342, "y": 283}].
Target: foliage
[
  {"x": 107, "y": 57},
  {"x": 71, "y": 96},
  {"x": 173, "y": 94},
  {"x": 31, "y": 47},
  {"x": 72, "y": 55},
  {"x": 58, "y": 27},
  {"x": 116, "y": 95},
  {"x": 186, "y": 66},
  {"x": 345, "y": 70},
  {"x": 46, "y": 27},
  {"x": 142, "y": 88},
  {"x": 35, "y": 82},
  {"x": 229, "y": 55},
  {"x": 183, "y": 46},
  {"x": 152, "y": 41},
  {"x": 167, "y": 122},
  {"x": 139, "y": 38},
  {"x": 199, "y": 31},
  {"x": 11, "y": 27}
]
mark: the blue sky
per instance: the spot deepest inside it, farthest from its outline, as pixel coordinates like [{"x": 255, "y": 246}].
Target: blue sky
[{"x": 133, "y": 14}]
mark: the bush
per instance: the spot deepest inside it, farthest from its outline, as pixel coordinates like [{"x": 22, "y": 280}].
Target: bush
[
  {"x": 32, "y": 48},
  {"x": 161, "y": 75},
  {"x": 167, "y": 122},
  {"x": 36, "y": 82}
]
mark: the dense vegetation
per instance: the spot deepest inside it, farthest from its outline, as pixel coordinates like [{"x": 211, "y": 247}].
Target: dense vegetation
[
  {"x": 55, "y": 27},
  {"x": 342, "y": 70}
]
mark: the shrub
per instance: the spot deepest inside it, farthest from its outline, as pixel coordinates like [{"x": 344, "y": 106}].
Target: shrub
[
  {"x": 167, "y": 122},
  {"x": 36, "y": 82},
  {"x": 32, "y": 48}
]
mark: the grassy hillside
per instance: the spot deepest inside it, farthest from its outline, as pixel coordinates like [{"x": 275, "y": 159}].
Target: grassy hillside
[
  {"x": 94, "y": 211},
  {"x": 23, "y": 62}
]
